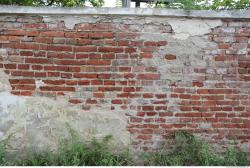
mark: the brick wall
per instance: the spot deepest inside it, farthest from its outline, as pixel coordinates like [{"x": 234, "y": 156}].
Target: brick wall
[{"x": 164, "y": 77}]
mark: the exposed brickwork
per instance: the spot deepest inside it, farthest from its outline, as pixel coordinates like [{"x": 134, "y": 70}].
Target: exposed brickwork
[{"x": 105, "y": 64}]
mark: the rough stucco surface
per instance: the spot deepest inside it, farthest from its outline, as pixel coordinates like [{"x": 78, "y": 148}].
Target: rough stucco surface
[
  {"x": 40, "y": 122},
  {"x": 136, "y": 77}
]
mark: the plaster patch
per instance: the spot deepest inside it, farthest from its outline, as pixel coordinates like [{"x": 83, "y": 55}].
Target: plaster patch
[
  {"x": 39, "y": 83},
  {"x": 70, "y": 21},
  {"x": 184, "y": 28},
  {"x": 4, "y": 81},
  {"x": 40, "y": 122},
  {"x": 3, "y": 53}
]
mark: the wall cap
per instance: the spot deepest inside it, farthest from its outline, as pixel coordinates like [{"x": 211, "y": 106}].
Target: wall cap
[{"x": 230, "y": 14}]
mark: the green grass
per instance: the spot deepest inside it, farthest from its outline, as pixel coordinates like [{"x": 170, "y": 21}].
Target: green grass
[
  {"x": 189, "y": 150},
  {"x": 185, "y": 150},
  {"x": 2, "y": 153},
  {"x": 74, "y": 153}
]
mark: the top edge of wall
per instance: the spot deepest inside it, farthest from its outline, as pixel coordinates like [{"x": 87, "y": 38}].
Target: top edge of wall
[{"x": 230, "y": 14}]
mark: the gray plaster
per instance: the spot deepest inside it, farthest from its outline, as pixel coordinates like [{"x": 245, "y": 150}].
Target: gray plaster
[{"x": 239, "y": 14}]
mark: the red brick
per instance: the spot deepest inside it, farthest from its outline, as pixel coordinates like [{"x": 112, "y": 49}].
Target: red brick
[
  {"x": 147, "y": 108},
  {"x": 81, "y": 56},
  {"x": 26, "y": 53},
  {"x": 162, "y": 43},
  {"x": 98, "y": 95},
  {"x": 22, "y": 93},
  {"x": 147, "y": 131},
  {"x": 109, "y": 89},
  {"x": 198, "y": 84},
  {"x": 76, "y": 34},
  {"x": 185, "y": 108},
  {"x": 150, "y": 43},
  {"x": 160, "y": 120},
  {"x": 45, "y": 40},
  {"x": 130, "y": 50},
  {"x": 40, "y": 74},
  {"x": 83, "y": 75},
  {"x": 96, "y": 82},
  {"x": 95, "y": 56},
  {"x": 57, "y": 88},
  {"x": 52, "y": 34},
  {"x": 37, "y": 60},
  {"x": 123, "y": 43},
  {"x": 117, "y": 101},
  {"x": 28, "y": 46},
  {"x": 83, "y": 82},
  {"x": 135, "y": 120},
  {"x": 27, "y": 74},
  {"x": 85, "y": 49},
  {"x": 23, "y": 66},
  {"x": 108, "y": 56},
  {"x": 98, "y": 62},
  {"x": 91, "y": 101},
  {"x": 37, "y": 67},
  {"x": 179, "y": 90},
  {"x": 53, "y": 74},
  {"x": 16, "y": 32},
  {"x": 100, "y": 35},
  {"x": 110, "y": 49},
  {"x": 129, "y": 75},
  {"x": 10, "y": 66},
  {"x": 148, "y": 95},
  {"x": 23, "y": 87},
  {"x": 75, "y": 101},
  {"x": 35, "y": 25},
  {"x": 22, "y": 81},
  {"x": 170, "y": 57},
  {"x": 148, "y": 76},
  {"x": 54, "y": 82},
  {"x": 59, "y": 48},
  {"x": 66, "y": 75},
  {"x": 140, "y": 114},
  {"x": 164, "y": 114},
  {"x": 109, "y": 82},
  {"x": 146, "y": 55},
  {"x": 202, "y": 91},
  {"x": 144, "y": 137},
  {"x": 32, "y": 33},
  {"x": 71, "y": 82},
  {"x": 70, "y": 62},
  {"x": 151, "y": 113}
]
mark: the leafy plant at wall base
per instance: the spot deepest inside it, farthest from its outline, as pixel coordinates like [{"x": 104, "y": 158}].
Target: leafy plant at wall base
[
  {"x": 234, "y": 157},
  {"x": 181, "y": 150},
  {"x": 2, "y": 152},
  {"x": 188, "y": 150},
  {"x": 76, "y": 153}
]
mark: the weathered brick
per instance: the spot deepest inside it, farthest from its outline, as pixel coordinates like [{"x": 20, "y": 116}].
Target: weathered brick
[
  {"x": 170, "y": 57},
  {"x": 57, "y": 88},
  {"x": 37, "y": 61},
  {"x": 52, "y": 34},
  {"x": 111, "y": 49},
  {"x": 149, "y": 76}
]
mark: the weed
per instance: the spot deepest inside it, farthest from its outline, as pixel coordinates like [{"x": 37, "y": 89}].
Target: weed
[
  {"x": 189, "y": 150},
  {"x": 185, "y": 149},
  {"x": 76, "y": 153}
]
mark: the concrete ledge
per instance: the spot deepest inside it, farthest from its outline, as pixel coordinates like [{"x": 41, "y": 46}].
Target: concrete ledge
[{"x": 230, "y": 14}]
